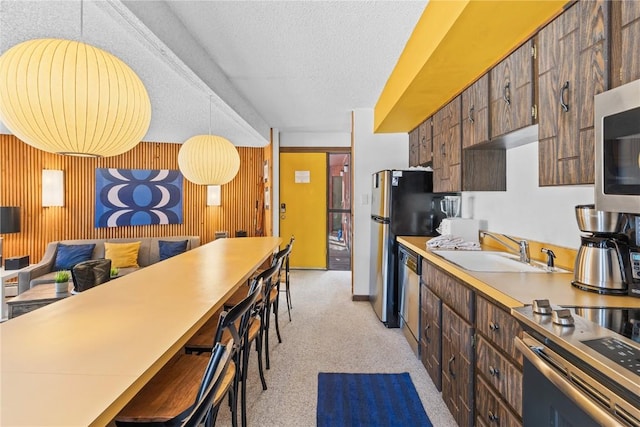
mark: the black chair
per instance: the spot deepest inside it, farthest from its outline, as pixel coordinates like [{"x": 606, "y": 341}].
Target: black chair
[
  {"x": 209, "y": 396},
  {"x": 159, "y": 403},
  {"x": 269, "y": 300},
  {"x": 88, "y": 274},
  {"x": 205, "y": 338},
  {"x": 285, "y": 276}
]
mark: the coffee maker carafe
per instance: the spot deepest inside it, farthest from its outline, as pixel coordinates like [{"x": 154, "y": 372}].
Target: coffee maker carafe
[{"x": 602, "y": 262}]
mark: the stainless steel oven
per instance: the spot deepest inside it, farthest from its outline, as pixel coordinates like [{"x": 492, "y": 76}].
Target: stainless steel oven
[
  {"x": 576, "y": 373},
  {"x": 617, "y": 149}
]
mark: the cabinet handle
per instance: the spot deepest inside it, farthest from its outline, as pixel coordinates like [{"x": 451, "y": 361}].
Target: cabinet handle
[
  {"x": 494, "y": 326},
  {"x": 425, "y": 333},
  {"x": 494, "y": 372},
  {"x": 451, "y": 360},
  {"x": 471, "y": 111},
  {"x": 443, "y": 153},
  {"x": 563, "y": 104},
  {"x": 506, "y": 94},
  {"x": 493, "y": 417}
]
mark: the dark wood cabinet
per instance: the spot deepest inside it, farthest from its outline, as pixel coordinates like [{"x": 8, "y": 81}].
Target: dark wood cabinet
[
  {"x": 431, "y": 337},
  {"x": 426, "y": 142},
  {"x": 421, "y": 144},
  {"x": 490, "y": 411},
  {"x": 498, "y": 365},
  {"x": 572, "y": 69},
  {"x": 447, "y": 148},
  {"x": 414, "y": 147},
  {"x": 475, "y": 113},
  {"x": 447, "y": 344},
  {"x": 625, "y": 42},
  {"x": 457, "y": 366},
  {"x": 511, "y": 92}
]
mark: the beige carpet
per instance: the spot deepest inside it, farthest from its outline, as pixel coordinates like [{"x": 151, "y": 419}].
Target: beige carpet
[{"x": 328, "y": 333}]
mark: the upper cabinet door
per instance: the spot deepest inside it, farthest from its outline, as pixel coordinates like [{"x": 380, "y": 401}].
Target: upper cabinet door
[
  {"x": 414, "y": 146},
  {"x": 571, "y": 70},
  {"x": 475, "y": 113},
  {"x": 511, "y": 92},
  {"x": 426, "y": 142},
  {"x": 625, "y": 33},
  {"x": 447, "y": 148}
]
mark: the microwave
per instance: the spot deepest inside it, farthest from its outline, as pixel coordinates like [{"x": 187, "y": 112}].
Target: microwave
[{"x": 617, "y": 149}]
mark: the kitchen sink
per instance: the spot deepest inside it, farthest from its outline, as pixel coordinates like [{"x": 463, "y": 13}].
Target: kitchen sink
[{"x": 494, "y": 261}]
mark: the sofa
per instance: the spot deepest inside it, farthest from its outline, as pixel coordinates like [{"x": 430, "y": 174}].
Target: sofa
[{"x": 148, "y": 253}]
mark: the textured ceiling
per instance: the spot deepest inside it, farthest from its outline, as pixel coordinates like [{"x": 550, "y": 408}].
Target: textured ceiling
[{"x": 295, "y": 66}]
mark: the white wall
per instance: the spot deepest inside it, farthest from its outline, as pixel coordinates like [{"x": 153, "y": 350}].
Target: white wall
[
  {"x": 275, "y": 182},
  {"x": 315, "y": 139},
  {"x": 371, "y": 153},
  {"x": 544, "y": 214}
]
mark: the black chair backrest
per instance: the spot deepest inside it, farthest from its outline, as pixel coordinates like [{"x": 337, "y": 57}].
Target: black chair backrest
[
  {"x": 88, "y": 274},
  {"x": 241, "y": 311},
  {"x": 211, "y": 382},
  {"x": 269, "y": 274}
]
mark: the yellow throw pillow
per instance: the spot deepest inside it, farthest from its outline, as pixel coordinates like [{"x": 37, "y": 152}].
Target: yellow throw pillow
[{"x": 122, "y": 255}]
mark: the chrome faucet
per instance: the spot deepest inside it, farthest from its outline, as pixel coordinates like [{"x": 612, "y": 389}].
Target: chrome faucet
[{"x": 523, "y": 245}]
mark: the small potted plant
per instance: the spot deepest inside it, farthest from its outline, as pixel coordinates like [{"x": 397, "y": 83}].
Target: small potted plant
[
  {"x": 114, "y": 272},
  {"x": 62, "y": 281}
]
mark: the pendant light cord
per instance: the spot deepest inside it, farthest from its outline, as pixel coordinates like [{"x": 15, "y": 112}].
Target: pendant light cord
[
  {"x": 81, "y": 19},
  {"x": 210, "y": 102}
]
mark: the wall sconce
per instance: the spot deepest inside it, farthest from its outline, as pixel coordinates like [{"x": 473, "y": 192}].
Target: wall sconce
[
  {"x": 214, "y": 195},
  {"x": 52, "y": 188},
  {"x": 345, "y": 167}
]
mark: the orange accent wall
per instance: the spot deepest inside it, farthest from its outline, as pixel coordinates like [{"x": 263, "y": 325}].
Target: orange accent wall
[{"x": 21, "y": 180}]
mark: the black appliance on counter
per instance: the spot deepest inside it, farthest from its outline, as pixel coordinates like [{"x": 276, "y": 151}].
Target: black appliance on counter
[
  {"x": 402, "y": 204},
  {"x": 577, "y": 373}
]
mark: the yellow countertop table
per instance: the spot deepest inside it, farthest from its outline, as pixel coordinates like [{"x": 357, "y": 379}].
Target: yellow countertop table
[
  {"x": 518, "y": 289},
  {"x": 78, "y": 361}
]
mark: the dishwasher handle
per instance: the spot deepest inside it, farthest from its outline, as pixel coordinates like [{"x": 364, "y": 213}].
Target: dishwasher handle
[{"x": 410, "y": 260}]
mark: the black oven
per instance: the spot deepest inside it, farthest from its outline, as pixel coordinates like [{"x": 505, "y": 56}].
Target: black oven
[
  {"x": 556, "y": 393},
  {"x": 576, "y": 372}
]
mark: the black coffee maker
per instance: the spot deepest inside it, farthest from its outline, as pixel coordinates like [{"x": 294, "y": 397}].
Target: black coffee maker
[{"x": 633, "y": 234}]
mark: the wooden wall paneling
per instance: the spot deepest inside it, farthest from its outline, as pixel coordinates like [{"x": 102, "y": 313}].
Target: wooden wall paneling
[{"x": 20, "y": 185}]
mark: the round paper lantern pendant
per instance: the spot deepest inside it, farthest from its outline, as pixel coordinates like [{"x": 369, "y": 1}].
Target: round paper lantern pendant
[
  {"x": 68, "y": 97},
  {"x": 208, "y": 160}
]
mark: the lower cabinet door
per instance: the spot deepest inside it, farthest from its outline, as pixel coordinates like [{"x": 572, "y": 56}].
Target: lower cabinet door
[
  {"x": 457, "y": 366},
  {"x": 431, "y": 337},
  {"x": 500, "y": 373},
  {"x": 490, "y": 409}
]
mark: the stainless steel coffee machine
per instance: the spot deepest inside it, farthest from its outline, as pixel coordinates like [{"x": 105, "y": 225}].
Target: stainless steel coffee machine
[{"x": 608, "y": 259}]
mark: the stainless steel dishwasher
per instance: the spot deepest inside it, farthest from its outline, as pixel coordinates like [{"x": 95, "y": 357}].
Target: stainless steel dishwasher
[{"x": 409, "y": 289}]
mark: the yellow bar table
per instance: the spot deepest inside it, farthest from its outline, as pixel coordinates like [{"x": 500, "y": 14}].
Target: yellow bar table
[{"x": 77, "y": 362}]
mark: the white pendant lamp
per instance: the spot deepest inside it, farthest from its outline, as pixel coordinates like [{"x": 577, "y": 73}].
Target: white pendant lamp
[
  {"x": 208, "y": 160},
  {"x": 68, "y": 97}
]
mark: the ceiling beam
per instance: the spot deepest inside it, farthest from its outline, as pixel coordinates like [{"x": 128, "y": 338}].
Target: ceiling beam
[{"x": 158, "y": 17}]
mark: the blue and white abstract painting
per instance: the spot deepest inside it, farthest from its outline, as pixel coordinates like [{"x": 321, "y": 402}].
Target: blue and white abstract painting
[{"x": 138, "y": 197}]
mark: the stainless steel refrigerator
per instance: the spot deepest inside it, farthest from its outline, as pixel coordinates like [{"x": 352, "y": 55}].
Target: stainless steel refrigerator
[{"x": 402, "y": 204}]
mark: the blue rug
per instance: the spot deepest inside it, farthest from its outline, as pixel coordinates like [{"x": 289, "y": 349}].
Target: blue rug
[{"x": 385, "y": 400}]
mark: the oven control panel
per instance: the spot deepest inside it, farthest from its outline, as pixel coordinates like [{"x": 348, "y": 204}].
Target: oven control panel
[{"x": 619, "y": 352}]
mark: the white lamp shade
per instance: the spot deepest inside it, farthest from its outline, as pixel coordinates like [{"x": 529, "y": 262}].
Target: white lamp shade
[
  {"x": 52, "y": 187},
  {"x": 214, "y": 196},
  {"x": 68, "y": 97},
  {"x": 208, "y": 160}
]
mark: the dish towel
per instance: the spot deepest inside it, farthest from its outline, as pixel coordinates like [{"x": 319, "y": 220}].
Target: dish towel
[{"x": 449, "y": 241}]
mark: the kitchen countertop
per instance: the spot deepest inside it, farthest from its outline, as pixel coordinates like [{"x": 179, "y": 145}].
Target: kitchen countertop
[{"x": 518, "y": 289}]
